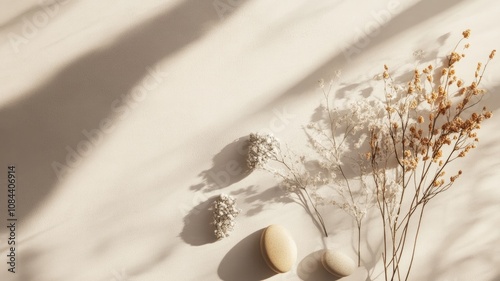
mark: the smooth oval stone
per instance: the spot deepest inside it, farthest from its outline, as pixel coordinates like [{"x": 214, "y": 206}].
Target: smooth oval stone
[
  {"x": 337, "y": 263},
  {"x": 278, "y": 248}
]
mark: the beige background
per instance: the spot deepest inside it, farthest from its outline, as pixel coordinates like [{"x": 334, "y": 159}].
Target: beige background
[{"x": 142, "y": 106}]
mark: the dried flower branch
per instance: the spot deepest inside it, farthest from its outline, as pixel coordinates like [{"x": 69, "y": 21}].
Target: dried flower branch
[
  {"x": 341, "y": 168},
  {"x": 389, "y": 153},
  {"x": 262, "y": 148},
  {"x": 264, "y": 152},
  {"x": 428, "y": 126}
]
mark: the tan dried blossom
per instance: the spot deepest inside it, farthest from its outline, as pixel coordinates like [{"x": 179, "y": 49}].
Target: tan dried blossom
[
  {"x": 410, "y": 164},
  {"x": 492, "y": 54},
  {"x": 454, "y": 57},
  {"x": 437, "y": 155},
  {"x": 466, "y": 33},
  {"x": 368, "y": 156},
  {"x": 407, "y": 153},
  {"x": 413, "y": 104}
]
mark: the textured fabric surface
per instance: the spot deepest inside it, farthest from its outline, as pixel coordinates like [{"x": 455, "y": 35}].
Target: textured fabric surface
[{"x": 124, "y": 120}]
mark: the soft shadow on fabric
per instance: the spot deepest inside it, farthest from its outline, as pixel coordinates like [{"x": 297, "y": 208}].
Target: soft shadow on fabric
[
  {"x": 197, "y": 228},
  {"x": 244, "y": 262},
  {"x": 56, "y": 124},
  {"x": 229, "y": 166}
]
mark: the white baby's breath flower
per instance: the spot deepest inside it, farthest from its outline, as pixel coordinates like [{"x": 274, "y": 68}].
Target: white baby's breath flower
[
  {"x": 262, "y": 148},
  {"x": 225, "y": 212}
]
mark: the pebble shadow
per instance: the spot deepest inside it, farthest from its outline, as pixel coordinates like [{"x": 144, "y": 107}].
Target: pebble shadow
[
  {"x": 244, "y": 261},
  {"x": 311, "y": 269}
]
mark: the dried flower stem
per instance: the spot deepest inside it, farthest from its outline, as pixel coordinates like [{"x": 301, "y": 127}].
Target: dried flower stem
[
  {"x": 410, "y": 138},
  {"x": 301, "y": 189},
  {"x": 264, "y": 149},
  {"x": 338, "y": 166},
  {"x": 422, "y": 149}
]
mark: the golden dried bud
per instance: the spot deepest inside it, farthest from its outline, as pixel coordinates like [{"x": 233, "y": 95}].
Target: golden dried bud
[
  {"x": 466, "y": 33},
  {"x": 407, "y": 153},
  {"x": 492, "y": 55}
]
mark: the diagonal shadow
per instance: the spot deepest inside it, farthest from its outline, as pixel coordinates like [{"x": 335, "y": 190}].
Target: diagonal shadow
[
  {"x": 395, "y": 26},
  {"x": 218, "y": 177},
  {"x": 417, "y": 14},
  {"x": 49, "y": 9},
  {"x": 48, "y": 124},
  {"x": 472, "y": 238}
]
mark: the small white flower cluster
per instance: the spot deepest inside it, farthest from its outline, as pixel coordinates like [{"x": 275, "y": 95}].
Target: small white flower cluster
[
  {"x": 262, "y": 147},
  {"x": 390, "y": 193},
  {"x": 225, "y": 212}
]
